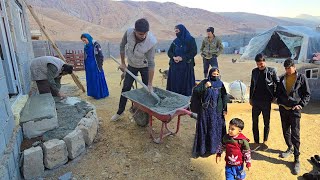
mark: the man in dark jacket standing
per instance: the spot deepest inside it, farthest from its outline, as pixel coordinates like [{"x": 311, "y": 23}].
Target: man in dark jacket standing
[
  {"x": 293, "y": 94},
  {"x": 264, "y": 81}
]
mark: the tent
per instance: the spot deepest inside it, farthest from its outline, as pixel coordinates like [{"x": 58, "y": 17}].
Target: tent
[{"x": 297, "y": 42}]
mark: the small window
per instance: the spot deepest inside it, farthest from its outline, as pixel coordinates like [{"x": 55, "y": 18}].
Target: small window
[
  {"x": 1, "y": 54},
  {"x": 22, "y": 23},
  {"x": 312, "y": 73}
]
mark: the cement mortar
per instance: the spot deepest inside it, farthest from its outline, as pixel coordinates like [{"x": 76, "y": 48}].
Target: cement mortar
[
  {"x": 68, "y": 118},
  {"x": 169, "y": 101}
]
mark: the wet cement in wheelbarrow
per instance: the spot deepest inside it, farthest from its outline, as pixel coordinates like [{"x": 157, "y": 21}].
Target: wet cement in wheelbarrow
[{"x": 169, "y": 101}]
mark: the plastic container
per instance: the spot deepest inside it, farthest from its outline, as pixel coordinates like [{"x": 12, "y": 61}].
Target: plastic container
[{"x": 238, "y": 90}]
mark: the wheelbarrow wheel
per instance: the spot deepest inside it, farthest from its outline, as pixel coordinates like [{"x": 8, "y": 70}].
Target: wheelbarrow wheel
[{"x": 141, "y": 118}]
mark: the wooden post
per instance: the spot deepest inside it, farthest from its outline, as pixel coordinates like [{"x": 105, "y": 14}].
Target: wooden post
[{"x": 55, "y": 47}]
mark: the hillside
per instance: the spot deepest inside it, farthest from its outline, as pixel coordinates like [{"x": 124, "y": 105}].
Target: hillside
[
  {"x": 255, "y": 21},
  {"x": 108, "y": 20}
]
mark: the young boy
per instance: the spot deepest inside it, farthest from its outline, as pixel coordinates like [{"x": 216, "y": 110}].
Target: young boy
[{"x": 237, "y": 151}]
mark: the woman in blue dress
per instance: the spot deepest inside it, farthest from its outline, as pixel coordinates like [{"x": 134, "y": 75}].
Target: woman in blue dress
[
  {"x": 181, "y": 53},
  {"x": 93, "y": 61}
]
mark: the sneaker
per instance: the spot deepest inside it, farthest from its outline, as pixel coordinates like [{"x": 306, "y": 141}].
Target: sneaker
[
  {"x": 116, "y": 117},
  {"x": 254, "y": 146},
  {"x": 287, "y": 153},
  {"x": 296, "y": 168},
  {"x": 264, "y": 146}
]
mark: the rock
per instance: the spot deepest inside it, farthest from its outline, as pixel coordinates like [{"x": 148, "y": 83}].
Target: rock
[
  {"x": 191, "y": 168},
  {"x": 92, "y": 115},
  {"x": 157, "y": 157},
  {"x": 39, "y": 115},
  {"x": 33, "y": 163},
  {"x": 55, "y": 153},
  {"x": 75, "y": 143},
  {"x": 89, "y": 130},
  {"x": 37, "y": 143},
  {"x": 33, "y": 129},
  {"x": 41, "y": 106},
  {"x": 67, "y": 176}
]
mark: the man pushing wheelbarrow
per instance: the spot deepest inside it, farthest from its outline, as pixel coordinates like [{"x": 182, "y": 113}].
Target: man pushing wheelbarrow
[
  {"x": 140, "y": 51},
  {"x": 162, "y": 104}
]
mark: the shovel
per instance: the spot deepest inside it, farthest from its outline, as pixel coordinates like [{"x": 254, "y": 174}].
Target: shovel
[{"x": 139, "y": 81}]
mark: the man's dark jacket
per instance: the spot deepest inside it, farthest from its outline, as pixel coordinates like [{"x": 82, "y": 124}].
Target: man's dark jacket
[
  {"x": 271, "y": 80},
  {"x": 299, "y": 94}
]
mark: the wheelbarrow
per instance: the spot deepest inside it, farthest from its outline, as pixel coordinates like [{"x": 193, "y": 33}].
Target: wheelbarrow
[{"x": 170, "y": 106}]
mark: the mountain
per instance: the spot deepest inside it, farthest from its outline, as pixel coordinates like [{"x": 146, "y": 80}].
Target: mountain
[
  {"x": 108, "y": 20},
  {"x": 256, "y": 21},
  {"x": 304, "y": 19},
  {"x": 309, "y": 17}
]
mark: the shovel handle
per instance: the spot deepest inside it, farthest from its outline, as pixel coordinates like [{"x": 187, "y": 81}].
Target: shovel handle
[
  {"x": 138, "y": 80},
  {"x": 131, "y": 74}
]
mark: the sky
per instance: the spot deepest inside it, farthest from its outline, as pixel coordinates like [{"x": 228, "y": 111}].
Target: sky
[{"x": 275, "y": 8}]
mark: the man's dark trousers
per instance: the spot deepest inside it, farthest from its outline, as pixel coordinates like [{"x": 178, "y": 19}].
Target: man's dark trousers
[
  {"x": 257, "y": 108},
  {"x": 127, "y": 84},
  {"x": 290, "y": 120}
]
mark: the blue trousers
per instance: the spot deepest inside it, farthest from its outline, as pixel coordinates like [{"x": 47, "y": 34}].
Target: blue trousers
[
  {"x": 213, "y": 62},
  {"x": 235, "y": 172}
]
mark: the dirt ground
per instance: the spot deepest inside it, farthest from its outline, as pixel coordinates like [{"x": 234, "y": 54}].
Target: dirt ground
[{"x": 124, "y": 150}]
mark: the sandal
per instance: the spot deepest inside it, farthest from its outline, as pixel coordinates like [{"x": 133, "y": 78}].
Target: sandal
[
  {"x": 308, "y": 176},
  {"x": 315, "y": 162},
  {"x": 311, "y": 176}
]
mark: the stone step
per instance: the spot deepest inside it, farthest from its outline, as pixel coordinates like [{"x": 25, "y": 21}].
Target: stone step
[{"x": 39, "y": 115}]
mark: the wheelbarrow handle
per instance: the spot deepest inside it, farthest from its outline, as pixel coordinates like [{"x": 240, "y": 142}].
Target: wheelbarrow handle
[
  {"x": 186, "y": 112},
  {"x": 194, "y": 115}
]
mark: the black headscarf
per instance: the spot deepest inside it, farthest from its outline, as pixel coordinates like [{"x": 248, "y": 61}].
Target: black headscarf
[{"x": 215, "y": 80}]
